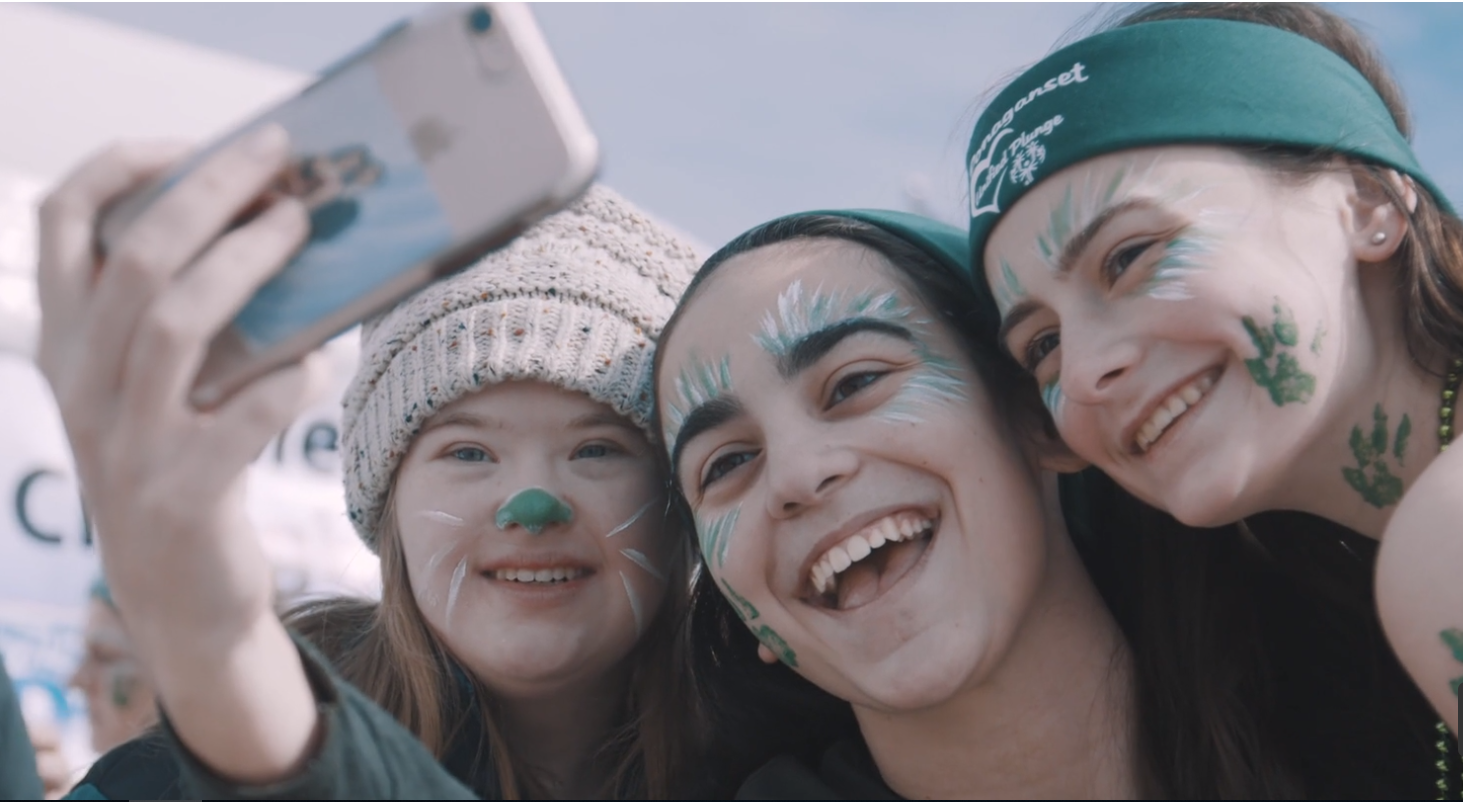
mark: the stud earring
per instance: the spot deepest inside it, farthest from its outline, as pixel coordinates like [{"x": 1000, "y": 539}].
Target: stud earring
[{"x": 1379, "y": 238}]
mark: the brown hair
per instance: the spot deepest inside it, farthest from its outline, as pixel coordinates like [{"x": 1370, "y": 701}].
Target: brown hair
[
  {"x": 1349, "y": 720},
  {"x": 1430, "y": 256},
  {"x": 386, "y": 649},
  {"x": 1188, "y": 601}
]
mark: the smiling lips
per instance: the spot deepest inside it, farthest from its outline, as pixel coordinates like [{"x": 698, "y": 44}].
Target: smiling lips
[
  {"x": 1171, "y": 410},
  {"x": 540, "y": 576},
  {"x": 896, "y": 528}
]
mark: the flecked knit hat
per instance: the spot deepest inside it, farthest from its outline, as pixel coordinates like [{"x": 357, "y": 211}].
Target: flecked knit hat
[{"x": 576, "y": 301}]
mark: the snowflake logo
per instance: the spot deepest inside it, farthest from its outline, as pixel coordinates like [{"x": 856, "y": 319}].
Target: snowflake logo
[{"x": 1025, "y": 161}]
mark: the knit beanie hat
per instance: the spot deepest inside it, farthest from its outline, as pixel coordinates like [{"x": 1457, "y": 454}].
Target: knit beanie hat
[{"x": 576, "y": 301}]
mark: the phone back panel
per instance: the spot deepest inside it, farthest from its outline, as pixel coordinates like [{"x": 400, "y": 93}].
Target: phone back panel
[{"x": 413, "y": 157}]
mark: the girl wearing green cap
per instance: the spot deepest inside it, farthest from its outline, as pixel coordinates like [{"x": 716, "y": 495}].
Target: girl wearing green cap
[
  {"x": 869, "y": 480},
  {"x": 1241, "y": 294},
  {"x": 529, "y": 639}
]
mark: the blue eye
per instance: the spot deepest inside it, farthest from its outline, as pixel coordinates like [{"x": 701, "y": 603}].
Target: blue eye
[
  {"x": 1039, "y": 349},
  {"x": 850, "y": 386},
  {"x": 725, "y": 465},
  {"x": 470, "y": 454},
  {"x": 593, "y": 451},
  {"x": 1123, "y": 258}
]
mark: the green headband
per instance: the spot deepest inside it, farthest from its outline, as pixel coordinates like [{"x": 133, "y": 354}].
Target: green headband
[{"x": 1172, "y": 82}]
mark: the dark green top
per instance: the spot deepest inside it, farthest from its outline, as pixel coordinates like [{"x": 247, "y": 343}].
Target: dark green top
[
  {"x": 18, "y": 777},
  {"x": 364, "y": 754},
  {"x": 845, "y": 771}
]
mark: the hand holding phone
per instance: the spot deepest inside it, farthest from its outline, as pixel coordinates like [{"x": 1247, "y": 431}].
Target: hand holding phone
[{"x": 412, "y": 158}]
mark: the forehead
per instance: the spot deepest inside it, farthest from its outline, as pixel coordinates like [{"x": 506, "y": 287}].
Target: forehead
[
  {"x": 751, "y": 284},
  {"x": 1173, "y": 176}
]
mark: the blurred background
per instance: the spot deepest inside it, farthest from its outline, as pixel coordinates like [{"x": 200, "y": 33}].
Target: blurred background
[{"x": 713, "y": 117}]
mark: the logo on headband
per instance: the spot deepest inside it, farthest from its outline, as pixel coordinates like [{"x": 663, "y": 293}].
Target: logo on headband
[{"x": 1004, "y": 153}]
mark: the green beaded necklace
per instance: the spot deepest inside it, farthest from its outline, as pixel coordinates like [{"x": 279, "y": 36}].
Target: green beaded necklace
[{"x": 1448, "y": 757}]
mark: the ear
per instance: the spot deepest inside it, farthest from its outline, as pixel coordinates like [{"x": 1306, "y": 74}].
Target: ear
[
  {"x": 766, "y": 654},
  {"x": 1377, "y": 224},
  {"x": 1053, "y": 455}
]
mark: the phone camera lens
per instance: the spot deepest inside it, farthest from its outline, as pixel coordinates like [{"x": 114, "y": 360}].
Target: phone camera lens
[{"x": 480, "y": 19}]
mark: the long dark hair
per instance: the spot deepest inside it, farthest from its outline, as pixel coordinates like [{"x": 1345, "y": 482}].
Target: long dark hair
[{"x": 1191, "y": 603}]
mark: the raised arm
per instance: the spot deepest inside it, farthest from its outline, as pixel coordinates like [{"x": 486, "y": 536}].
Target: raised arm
[{"x": 122, "y": 338}]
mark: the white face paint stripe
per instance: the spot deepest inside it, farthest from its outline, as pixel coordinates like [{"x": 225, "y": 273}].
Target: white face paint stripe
[
  {"x": 634, "y": 605},
  {"x": 457, "y": 576},
  {"x": 631, "y": 520},
  {"x": 441, "y": 517},
  {"x": 641, "y": 560}
]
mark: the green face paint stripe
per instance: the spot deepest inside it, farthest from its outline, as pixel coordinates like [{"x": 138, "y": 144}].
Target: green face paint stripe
[
  {"x": 533, "y": 509},
  {"x": 779, "y": 647},
  {"x": 1283, "y": 378},
  {"x": 1453, "y": 639},
  {"x": 1052, "y": 397},
  {"x": 936, "y": 381},
  {"x": 715, "y": 535},
  {"x": 1180, "y": 261},
  {"x": 1316, "y": 340},
  {"x": 1372, "y": 478},
  {"x": 1009, "y": 290},
  {"x": 121, "y": 689},
  {"x": 765, "y": 634},
  {"x": 698, "y": 382},
  {"x": 1075, "y": 211},
  {"x": 744, "y": 609},
  {"x": 799, "y": 314}
]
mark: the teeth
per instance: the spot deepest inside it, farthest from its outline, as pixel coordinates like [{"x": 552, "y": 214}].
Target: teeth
[
  {"x": 893, "y": 529},
  {"x": 1170, "y": 410},
  {"x": 542, "y": 575}
]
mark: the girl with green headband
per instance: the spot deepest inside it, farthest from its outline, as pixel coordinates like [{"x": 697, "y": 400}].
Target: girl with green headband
[
  {"x": 1240, "y": 294},
  {"x": 870, "y": 483}
]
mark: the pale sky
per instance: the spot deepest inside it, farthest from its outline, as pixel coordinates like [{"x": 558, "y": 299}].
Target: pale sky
[{"x": 720, "y": 116}]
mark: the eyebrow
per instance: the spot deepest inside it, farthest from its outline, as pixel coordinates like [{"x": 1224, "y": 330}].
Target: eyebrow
[
  {"x": 808, "y": 349},
  {"x": 1078, "y": 243},
  {"x": 803, "y": 354},
  {"x": 1072, "y": 249},
  {"x": 459, "y": 419},
  {"x": 602, "y": 418},
  {"x": 716, "y": 412}
]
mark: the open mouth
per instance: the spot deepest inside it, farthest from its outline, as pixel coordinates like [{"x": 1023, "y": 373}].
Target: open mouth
[
  {"x": 862, "y": 566},
  {"x": 1172, "y": 409},
  {"x": 541, "y": 576}
]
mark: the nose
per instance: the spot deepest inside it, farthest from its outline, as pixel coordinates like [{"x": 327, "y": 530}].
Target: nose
[
  {"x": 1095, "y": 357},
  {"x": 805, "y": 474},
  {"x": 533, "y": 509}
]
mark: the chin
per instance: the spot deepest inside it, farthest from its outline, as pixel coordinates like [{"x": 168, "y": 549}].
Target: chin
[
  {"x": 1208, "y": 504},
  {"x": 914, "y": 682}
]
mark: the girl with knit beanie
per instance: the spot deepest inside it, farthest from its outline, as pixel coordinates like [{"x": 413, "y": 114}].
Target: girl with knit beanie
[{"x": 497, "y": 457}]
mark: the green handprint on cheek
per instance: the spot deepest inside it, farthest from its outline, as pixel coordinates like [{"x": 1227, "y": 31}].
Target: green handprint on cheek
[
  {"x": 769, "y": 637},
  {"x": 1283, "y": 378}
]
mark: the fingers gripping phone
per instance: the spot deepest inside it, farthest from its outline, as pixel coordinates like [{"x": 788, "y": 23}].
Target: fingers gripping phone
[{"x": 415, "y": 156}]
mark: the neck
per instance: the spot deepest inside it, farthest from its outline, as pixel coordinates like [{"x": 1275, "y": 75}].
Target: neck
[
  {"x": 1382, "y": 398},
  {"x": 1052, "y": 720},
  {"x": 561, "y": 734}
]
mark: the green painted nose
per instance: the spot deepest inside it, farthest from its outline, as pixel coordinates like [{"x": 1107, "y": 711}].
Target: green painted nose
[{"x": 533, "y": 509}]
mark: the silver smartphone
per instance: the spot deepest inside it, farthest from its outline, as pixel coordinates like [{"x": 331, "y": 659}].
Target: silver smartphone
[{"x": 441, "y": 140}]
